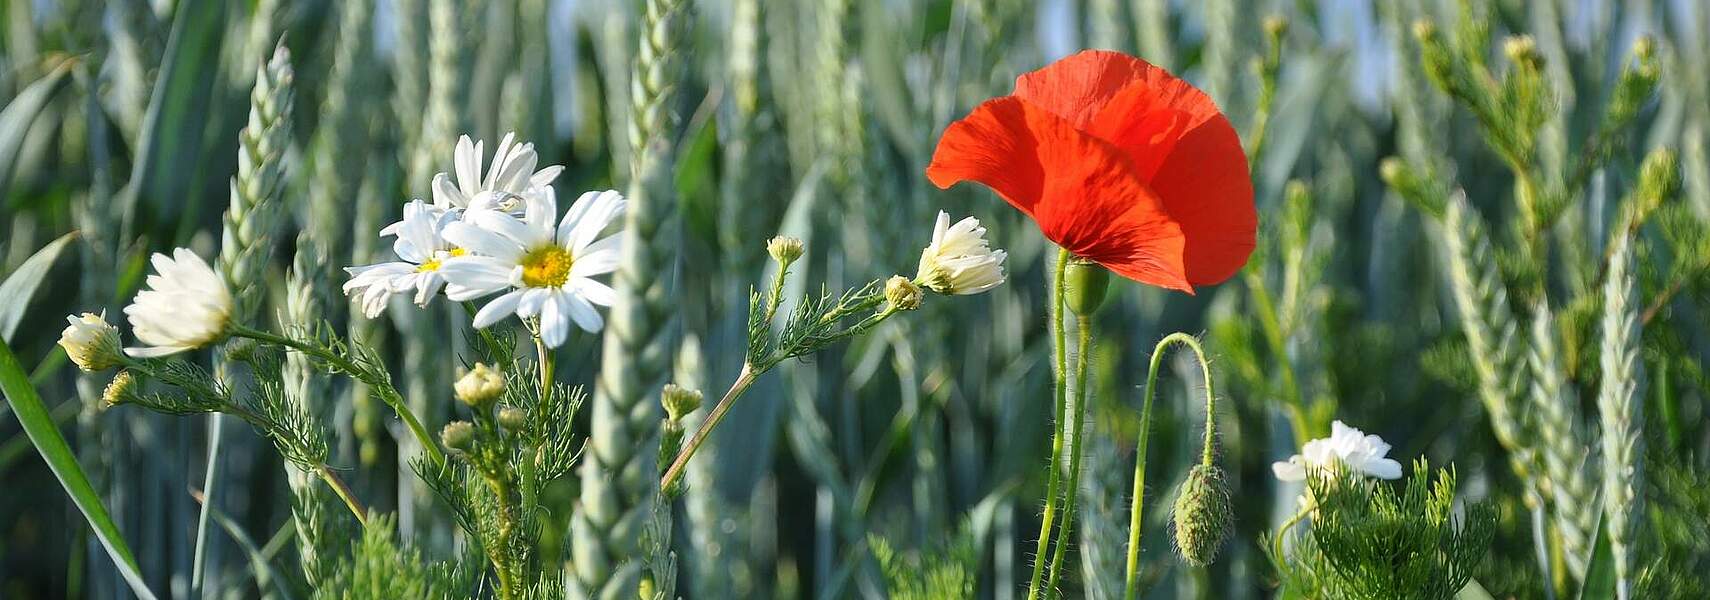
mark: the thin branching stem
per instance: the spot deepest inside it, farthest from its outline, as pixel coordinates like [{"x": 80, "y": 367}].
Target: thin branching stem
[
  {"x": 1137, "y": 500},
  {"x": 387, "y": 392},
  {"x": 675, "y": 472},
  {"x": 1061, "y": 395}
]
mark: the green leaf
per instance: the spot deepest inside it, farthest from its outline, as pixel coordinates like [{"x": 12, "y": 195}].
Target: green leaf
[
  {"x": 170, "y": 144},
  {"x": 1600, "y": 572},
  {"x": 1474, "y": 591},
  {"x": 21, "y": 285},
  {"x": 20, "y": 114},
  {"x": 38, "y": 424}
]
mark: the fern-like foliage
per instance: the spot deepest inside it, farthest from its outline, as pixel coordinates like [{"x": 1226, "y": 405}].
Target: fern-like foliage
[
  {"x": 1368, "y": 541},
  {"x": 380, "y": 568},
  {"x": 946, "y": 571}
]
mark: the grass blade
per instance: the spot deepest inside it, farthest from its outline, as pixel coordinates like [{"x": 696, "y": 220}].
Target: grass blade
[
  {"x": 21, "y": 285},
  {"x": 40, "y": 427},
  {"x": 20, "y": 114}
]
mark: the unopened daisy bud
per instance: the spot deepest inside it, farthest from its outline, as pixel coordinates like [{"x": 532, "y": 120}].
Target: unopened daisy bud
[
  {"x": 480, "y": 386},
  {"x": 91, "y": 342},
  {"x": 959, "y": 260},
  {"x": 784, "y": 249},
  {"x": 1202, "y": 515},
  {"x": 902, "y": 294},
  {"x": 1086, "y": 283},
  {"x": 458, "y": 435},
  {"x": 512, "y": 418},
  {"x": 679, "y": 401},
  {"x": 1521, "y": 49},
  {"x": 1275, "y": 26},
  {"x": 120, "y": 390}
]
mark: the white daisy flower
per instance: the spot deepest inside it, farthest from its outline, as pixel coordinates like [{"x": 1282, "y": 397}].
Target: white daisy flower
[
  {"x": 506, "y": 186},
  {"x": 420, "y": 249},
  {"x": 548, "y": 271},
  {"x": 186, "y": 306},
  {"x": 959, "y": 260},
  {"x": 91, "y": 342},
  {"x": 511, "y": 178},
  {"x": 1365, "y": 454}
]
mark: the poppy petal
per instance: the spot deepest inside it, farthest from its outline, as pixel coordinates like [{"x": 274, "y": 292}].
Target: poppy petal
[
  {"x": 1206, "y": 188},
  {"x": 1084, "y": 193},
  {"x": 1077, "y": 87}
]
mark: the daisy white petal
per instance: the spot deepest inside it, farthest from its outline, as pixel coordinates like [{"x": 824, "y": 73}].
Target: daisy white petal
[
  {"x": 959, "y": 260},
  {"x": 186, "y": 306},
  {"x": 1346, "y": 447}
]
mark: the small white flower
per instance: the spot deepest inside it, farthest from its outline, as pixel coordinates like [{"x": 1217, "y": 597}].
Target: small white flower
[
  {"x": 420, "y": 249},
  {"x": 91, "y": 342},
  {"x": 959, "y": 260},
  {"x": 548, "y": 271},
  {"x": 186, "y": 306},
  {"x": 505, "y": 186},
  {"x": 511, "y": 177},
  {"x": 1364, "y": 454}
]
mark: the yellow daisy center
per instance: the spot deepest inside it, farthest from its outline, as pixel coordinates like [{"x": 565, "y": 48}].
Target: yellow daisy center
[
  {"x": 547, "y": 266},
  {"x": 432, "y": 264}
]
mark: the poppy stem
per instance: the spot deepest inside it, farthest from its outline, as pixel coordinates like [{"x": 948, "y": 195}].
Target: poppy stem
[
  {"x": 1083, "y": 347},
  {"x": 1137, "y": 499},
  {"x": 1061, "y": 393}
]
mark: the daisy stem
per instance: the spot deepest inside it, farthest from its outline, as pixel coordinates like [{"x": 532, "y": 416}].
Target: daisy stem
[
  {"x": 1061, "y": 393},
  {"x": 546, "y": 364},
  {"x": 1083, "y": 347},
  {"x": 1282, "y": 532},
  {"x": 379, "y": 382},
  {"x": 344, "y": 493},
  {"x": 675, "y": 471},
  {"x": 1137, "y": 498}
]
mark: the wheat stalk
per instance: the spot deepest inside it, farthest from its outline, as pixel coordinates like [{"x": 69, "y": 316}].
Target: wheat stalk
[
  {"x": 250, "y": 220},
  {"x": 618, "y": 472},
  {"x": 1492, "y": 335},
  {"x": 1562, "y": 453},
  {"x": 333, "y": 178},
  {"x": 1621, "y": 413}
]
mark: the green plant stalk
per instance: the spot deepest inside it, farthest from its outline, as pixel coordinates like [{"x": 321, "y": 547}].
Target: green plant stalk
[
  {"x": 1272, "y": 328},
  {"x": 1137, "y": 502},
  {"x": 1282, "y": 532},
  {"x": 389, "y": 394},
  {"x": 1061, "y": 396},
  {"x": 1083, "y": 327},
  {"x": 750, "y": 372}
]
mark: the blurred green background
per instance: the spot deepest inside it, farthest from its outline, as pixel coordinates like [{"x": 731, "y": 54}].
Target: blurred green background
[{"x": 816, "y": 118}]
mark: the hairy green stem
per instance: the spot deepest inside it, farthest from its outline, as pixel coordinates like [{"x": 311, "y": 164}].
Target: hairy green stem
[
  {"x": 1282, "y": 532},
  {"x": 387, "y": 392},
  {"x": 1061, "y": 396},
  {"x": 1137, "y": 502},
  {"x": 1083, "y": 347}
]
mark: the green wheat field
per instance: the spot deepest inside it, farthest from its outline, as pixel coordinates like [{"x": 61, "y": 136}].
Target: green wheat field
[{"x": 914, "y": 299}]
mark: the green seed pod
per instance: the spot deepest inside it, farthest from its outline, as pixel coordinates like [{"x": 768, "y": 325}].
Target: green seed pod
[
  {"x": 1202, "y": 515},
  {"x": 1086, "y": 284}
]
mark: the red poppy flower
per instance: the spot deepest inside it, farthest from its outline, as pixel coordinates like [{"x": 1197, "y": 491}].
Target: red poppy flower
[{"x": 1118, "y": 162}]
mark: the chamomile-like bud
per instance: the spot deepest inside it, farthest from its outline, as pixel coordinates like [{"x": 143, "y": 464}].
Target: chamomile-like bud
[
  {"x": 480, "y": 386},
  {"x": 120, "y": 390},
  {"x": 512, "y": 418},
  {"x": 91, "y": 342},
  {"x": 1202, "y": 515},
  {"x": 1522, "y": 49},
  {"x": 784, "y": 249},
  {"x": 902, "y": 293},
  {"x": 458, "y": 435},
  {"x": 679, "y": 401}
]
